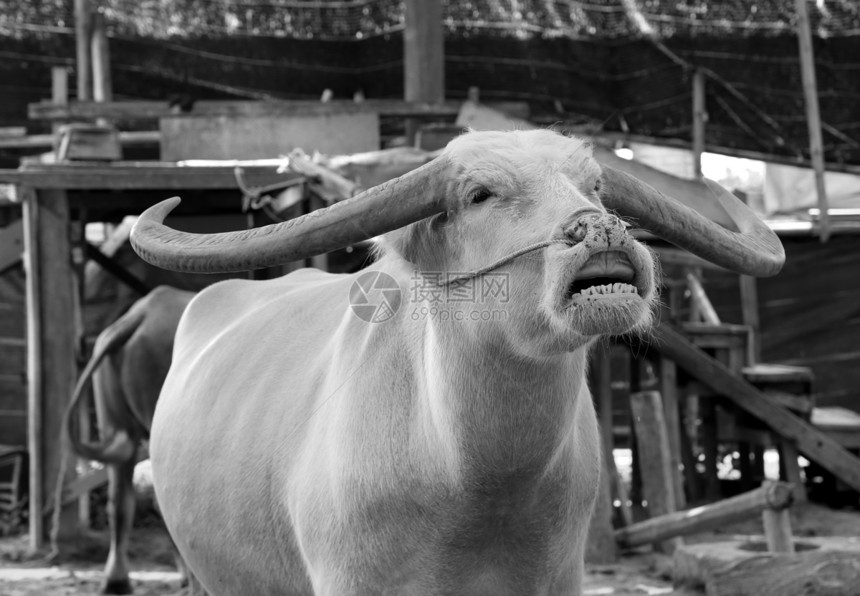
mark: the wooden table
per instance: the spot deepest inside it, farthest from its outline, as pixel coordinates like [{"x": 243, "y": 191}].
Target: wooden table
[{"x": 49, "y": 193}]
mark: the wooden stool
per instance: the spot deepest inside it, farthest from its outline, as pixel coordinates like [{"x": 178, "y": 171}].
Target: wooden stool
[
  {"x": 843, "y": 425},
  {"x": 728, "y": 344},
  {"x": 840, "y": 423},
  {"x": 13, "y": 497},
  {"x": 791, "y": 387}
]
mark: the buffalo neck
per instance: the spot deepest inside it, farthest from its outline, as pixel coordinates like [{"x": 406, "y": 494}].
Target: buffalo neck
[{"x": 504, "y": 411}]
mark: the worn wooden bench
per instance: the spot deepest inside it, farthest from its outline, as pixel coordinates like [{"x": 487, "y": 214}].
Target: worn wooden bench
[{"x": 840, "y": 423}]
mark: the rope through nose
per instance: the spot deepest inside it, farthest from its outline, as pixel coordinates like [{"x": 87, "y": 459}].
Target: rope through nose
[
  {"x": 577, "y": 216},
  {"x": 502, "y": 261}
]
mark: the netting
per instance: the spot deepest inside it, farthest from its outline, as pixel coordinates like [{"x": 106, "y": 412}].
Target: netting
[
  {"x": 360, "y": 19},
  {"x": 616, "y": 65}
]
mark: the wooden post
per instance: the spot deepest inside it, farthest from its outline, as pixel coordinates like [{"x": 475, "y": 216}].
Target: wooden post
[
  {"x": 59, "y": 90},
  {"x": 30, "y": 212},
  {"x": 671, "y": 411},
  {"x": 777, "y": 530},
  {"x": 813, "y": 115},
  {"x": 710, "y": 444},
  {"x": 50, "y": 343},
  {"x": 603, "y": 394},
  {"x": 654, "y": 457},
  {"x": 770, "y": 496},
  {"x": 83, "y": 64},
  {"x": 77, "y": 238},
  {"x": 700, "y": 303},
  {"x": 749, "y": 310},
  {"x": 603, "y": 390},
  {"x": 423, "y": 56},
  {"x": 102, "y": 82},
  {"x": 601, "y": 548},
  {"x": 788, "y": 463},
  {"x": 692, "y": 481},
  {"x": 700, "y": 118},
  {"x": 60, "y": 85},
  {"x": 693, "y": 410}
]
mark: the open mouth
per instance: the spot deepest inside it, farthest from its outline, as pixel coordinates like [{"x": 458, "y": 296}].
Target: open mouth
[{"x": 605, "y": 273}]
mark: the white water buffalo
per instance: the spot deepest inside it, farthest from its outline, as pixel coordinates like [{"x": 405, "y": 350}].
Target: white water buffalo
[
  {"x": 446, "y": 442},
  {"x": 137, "y": 347}
]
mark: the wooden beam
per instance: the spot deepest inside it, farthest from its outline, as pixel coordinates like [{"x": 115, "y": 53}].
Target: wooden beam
[
  {"x": 137, "y": 175},
  {"x": 813, "y": 443},
  {"x": 848, "y": 168},
  {"x": 655, "y": 459},
  {"x": 152, "y": 110},
  {"x": 602, "y": 363},
  {"x": 423, "y": 55},
  {"x": 678, "y": 257},
  {"x": 83, "y": 62},
  {"x": 423, "y": 52},
  {"x": 88, "y": 482},
  {"x": 60, "y": 85},
  {"x": 11, "y": 244},
  {"x": 102, "y": 81},
  {"x": 59, "y": 366},
  {"x": 700, "y": 300},
  {"x": 601, "y": 547},
  {"x": 777, "y": 530},
  {"x": 50, "y": 340},
  {"x": 803, "y": 404},
  {"x": 672, "y": 414},
  {"x": 30, "y": 211},
  {"x": 700, "y": 118},
  {"x": 770, "y": 496},
  {"x": 750, "y": 318},
  {"x": 117, "y": 270},
  {"x": 12, "y": 131},
  {"x": 60, "y": 97},
  {"x": 813, "y": 114},
  {"x": 126, "y": 138},
  {"x": 77, "y": 487}
]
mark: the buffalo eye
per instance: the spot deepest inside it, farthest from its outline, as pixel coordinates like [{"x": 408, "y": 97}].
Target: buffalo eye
[{"x": 481, "y": 195}]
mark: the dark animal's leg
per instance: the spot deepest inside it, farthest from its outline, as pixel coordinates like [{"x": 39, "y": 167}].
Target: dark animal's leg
[{"x": 121, "y": 515}]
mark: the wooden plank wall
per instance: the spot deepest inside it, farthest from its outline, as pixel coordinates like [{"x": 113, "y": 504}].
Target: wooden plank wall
[
  {"x": 244, "y": 137},
  {"x": 809, "y": 313},
  {"x": 13, "y": 347}
]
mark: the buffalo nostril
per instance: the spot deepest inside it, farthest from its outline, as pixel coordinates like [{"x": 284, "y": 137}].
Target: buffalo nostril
[
  {"x": 591, "y": 223},
  {"x": 604, "y": 224},
  {"x": 577, "y": 232}
]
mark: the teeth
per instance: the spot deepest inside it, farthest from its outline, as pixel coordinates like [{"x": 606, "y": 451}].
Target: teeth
[{"x": 616, "y": 288}]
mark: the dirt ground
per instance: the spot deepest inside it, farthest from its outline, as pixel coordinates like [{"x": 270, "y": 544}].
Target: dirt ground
[{"x": 640, "y": 573}]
